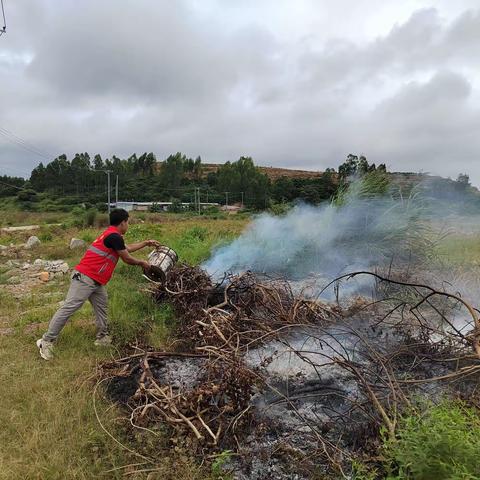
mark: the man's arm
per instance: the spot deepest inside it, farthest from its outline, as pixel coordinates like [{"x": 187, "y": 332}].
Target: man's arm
[
  {"x": 133, "y": 247},
  {"x": 127, "y": 258}
]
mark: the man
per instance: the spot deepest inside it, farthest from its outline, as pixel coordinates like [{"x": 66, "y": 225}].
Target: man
[{"x": 90, "y": 277}]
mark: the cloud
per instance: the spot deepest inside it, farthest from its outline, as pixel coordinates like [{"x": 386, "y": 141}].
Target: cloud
[{"x": 209, "y": 79}]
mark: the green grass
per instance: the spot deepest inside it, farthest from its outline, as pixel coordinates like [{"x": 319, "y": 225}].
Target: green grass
[
  {"x": 441, "y": 444},
  {"x": 49, "y": 427},
  {"x": 461, "y": 250}
]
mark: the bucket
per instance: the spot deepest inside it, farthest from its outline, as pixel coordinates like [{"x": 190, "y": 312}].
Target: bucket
[{"x": 162, "y": 259}]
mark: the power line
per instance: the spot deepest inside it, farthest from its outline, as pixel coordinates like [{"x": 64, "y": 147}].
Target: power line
[
  {"x": 4, "y": 29},
  {"x": 9, "y": 185},
  {"x": 22, "y": 143}
]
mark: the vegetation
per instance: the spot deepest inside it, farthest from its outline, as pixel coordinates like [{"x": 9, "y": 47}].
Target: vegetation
[{"x": 441, "y": 444}]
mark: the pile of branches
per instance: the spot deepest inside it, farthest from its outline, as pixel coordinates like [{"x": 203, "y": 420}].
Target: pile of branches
[
  {"x": 236, "y": 314},
  {"x": 216, "y": 324}
]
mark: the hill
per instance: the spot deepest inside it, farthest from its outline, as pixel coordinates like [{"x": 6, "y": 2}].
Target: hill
[{"x": 271, "y": 172}]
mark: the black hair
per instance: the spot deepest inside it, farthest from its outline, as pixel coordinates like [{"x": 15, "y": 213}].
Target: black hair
[{"x": 117, "y": 216}]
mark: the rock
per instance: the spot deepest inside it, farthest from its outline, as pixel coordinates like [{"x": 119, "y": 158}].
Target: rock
[
  {"x": 56, "y": 266},
  {"x": 44, "y": 276},
  {"x": 14, "y": 280},
  {"x": 32, "y": 242},
  {"x": 12, "y": 264},
  {"x": 3, "y": 248},
  {"x": 26, "y": 266},
  {"x": 77, "y": 243},
  {"x": 39, "y": 263}
]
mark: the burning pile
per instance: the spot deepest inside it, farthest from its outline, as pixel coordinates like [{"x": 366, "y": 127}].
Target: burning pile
[{"x": 291, "y": 384}]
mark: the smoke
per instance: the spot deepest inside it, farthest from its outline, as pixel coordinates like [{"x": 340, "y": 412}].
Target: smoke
[{"x": 326, "y": 240}]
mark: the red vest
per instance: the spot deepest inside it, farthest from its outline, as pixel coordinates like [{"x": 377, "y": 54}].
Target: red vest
[{"x": 99, "y": 262}]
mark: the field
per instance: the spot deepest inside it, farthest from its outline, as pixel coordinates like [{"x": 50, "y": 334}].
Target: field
[
  {"x": 57, "y": 425},
  {"x": 49, "y": 425}
]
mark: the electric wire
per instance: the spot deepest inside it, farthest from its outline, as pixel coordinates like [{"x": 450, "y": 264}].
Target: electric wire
[
  {"x": 20, "y": 142},
  {"x": 4, "y": 29}
]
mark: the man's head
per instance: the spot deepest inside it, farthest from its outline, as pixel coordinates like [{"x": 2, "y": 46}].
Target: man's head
[{"x": 119, "y": 219}]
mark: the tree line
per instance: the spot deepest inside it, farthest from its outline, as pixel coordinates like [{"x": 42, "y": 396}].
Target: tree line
[{"x": 142, "y": 178}]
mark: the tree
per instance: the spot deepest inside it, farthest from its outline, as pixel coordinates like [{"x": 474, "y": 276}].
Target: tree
[{"x": 9, "y": 186}]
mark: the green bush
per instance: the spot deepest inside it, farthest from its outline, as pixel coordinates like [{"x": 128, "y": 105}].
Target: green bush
[
  {"x": 101, "y": 207},
  {"x": 27, "y": 195},
  {"x": 279, "y": 208},
  {"x": 441, "y": 444}
]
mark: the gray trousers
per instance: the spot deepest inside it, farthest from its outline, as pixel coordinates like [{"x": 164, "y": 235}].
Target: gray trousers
[{"x": 82, "y": 288}]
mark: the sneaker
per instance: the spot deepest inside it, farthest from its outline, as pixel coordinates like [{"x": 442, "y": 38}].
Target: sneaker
[
  {"x": 105, "y": 341},
  {"x": 45, "y": 348}
]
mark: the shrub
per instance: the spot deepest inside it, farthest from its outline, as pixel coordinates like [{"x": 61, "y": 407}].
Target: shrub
[
  {"x": 279, "y": 208},
  {"x": 442, "y": 444},
  {"x": 27, "y": 195},
  {"x": 101, "y": 207}
]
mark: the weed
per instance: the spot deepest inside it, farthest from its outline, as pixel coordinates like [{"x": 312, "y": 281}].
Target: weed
[{"x": 441, "y": 444}]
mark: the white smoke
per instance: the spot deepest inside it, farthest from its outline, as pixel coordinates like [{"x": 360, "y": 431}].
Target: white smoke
[{"x": 325, "y": 240}]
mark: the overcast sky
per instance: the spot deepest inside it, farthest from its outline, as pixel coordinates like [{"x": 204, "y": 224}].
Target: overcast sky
[{"x": 296, "y": 84}]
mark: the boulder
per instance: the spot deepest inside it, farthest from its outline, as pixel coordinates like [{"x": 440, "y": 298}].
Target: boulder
[
  {"x": 32, "y": 242},
  {"x": 77, "y": 243}
]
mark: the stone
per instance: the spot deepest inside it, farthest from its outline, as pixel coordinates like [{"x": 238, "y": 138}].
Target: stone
[
  {"x": 56, "y": 266},
  {"x": 39, "y": 263},
  {"x": 44, "y": 276},
  {"x": 26, "y": 266},
  {"x": 3, "y": 248},
  {"x": 77, "y": 243},
  {"x": 14, "y": 280},
  {"x": 32, "y": 242}
]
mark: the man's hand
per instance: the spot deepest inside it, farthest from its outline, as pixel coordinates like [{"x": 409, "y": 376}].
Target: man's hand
[{"x": 152, "y": 243}]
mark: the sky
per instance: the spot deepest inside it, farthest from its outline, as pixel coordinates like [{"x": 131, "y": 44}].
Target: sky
[{"x": 292, "y": 84}]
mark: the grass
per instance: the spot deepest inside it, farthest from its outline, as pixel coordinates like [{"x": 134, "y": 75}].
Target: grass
[
  {"x": 461, "y": 250},
  {"x": 441, "y": 444},
  {"x": 49, "y": 427}
]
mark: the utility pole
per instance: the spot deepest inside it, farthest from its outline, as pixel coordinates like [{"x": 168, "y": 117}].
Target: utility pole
[
  {"x": 116, "y": 192},
  {"x": 242, "y": 199},
  {"x": 226, "y": 199},
  {"x": 108, "y": 172},
  {"x": 198, "y": 194}
]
